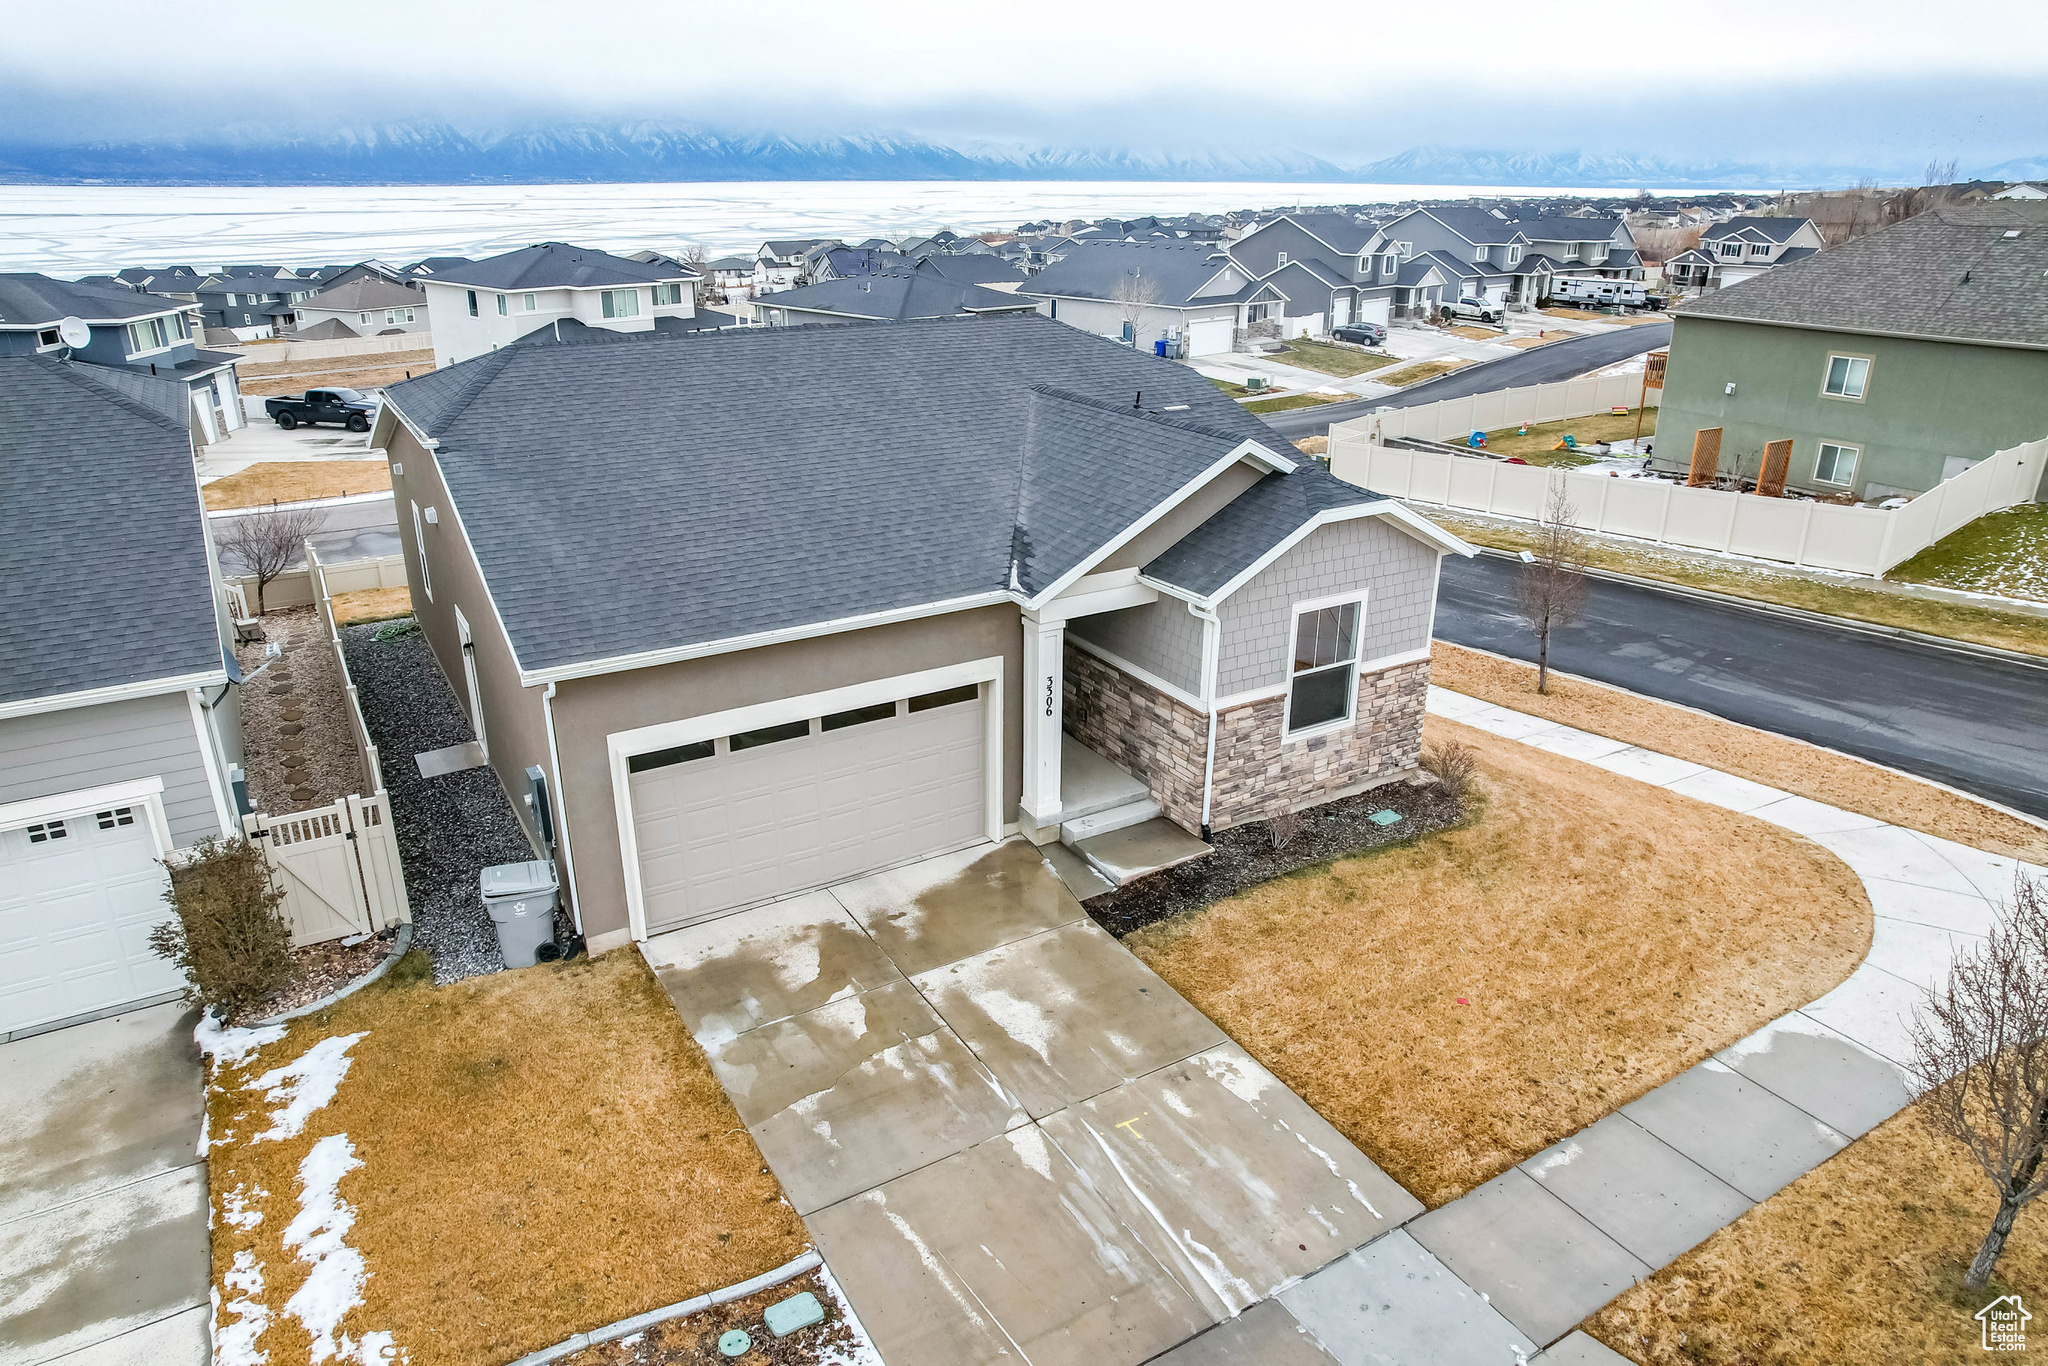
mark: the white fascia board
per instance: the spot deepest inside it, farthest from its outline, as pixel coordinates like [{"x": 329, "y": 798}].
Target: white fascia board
[
  {"x": 1388, "y": 508},
  {"x": 1244, "y": 450},
  {"x": 675, "y": 654},
  {"x": 119, "y": 692},
  {"x": 419, "y": 434},
  {"x": 36, "y": 809}
]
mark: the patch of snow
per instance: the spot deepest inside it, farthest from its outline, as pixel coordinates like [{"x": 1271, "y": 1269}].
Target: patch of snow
[
  {"x": 1029, "y": 1145},
  {"x": 334, "y": 1284},
  {"x": 1027, "y": 1022},
  {"x": 303, "y": 1086},
  {"x": 231, "y": 1047},
  {"x": 234, "y": 1344},
  {"x": 236, "y": 1211},
  {"x": 1563, "y": 1157},
  {"x": 1233, "y": 1077},
  {"x": 1177, "y": 1105}
]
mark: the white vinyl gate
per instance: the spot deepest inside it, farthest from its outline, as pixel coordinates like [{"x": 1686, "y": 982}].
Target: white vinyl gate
[
  {"x": 338, "y": 867},
  {"x": 717, "y": 828}
]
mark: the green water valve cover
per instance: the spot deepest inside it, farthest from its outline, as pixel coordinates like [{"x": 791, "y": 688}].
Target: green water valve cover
[
  {"x": 798, "y": 1311},
  {"x": 1384, "y": 817},
  {"x": 734, "y": 1342}
]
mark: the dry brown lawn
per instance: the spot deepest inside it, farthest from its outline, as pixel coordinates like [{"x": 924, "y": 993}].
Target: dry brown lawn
[
  {"x": 1458, "y": 1004},
  {"x": 1578, "y": 314},
  {"x": 371, "y": 604},
  {"x": 1313, "y": 445},
  {"x": 363, "y": 377},
  {"x": 292, "y": 481},
  {"x": 1860, "y": 1260},
  {"x": 1524, "y": 343},
  {"x": 543, "y": 1152},
  {"x": 1774, "y": 760},
  {"x": 325, "y": 365},
  {"x": 1421, "y": 370},
  {"x": 1475, "y": 333}
]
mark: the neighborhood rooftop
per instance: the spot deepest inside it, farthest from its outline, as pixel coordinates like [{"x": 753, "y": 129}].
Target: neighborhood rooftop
[
  {"x": 621, "y": 501},
  {"x": 895, "y": 294},
  {"x": 554, "y": 265},
  {"x": 100, "y": 489},
  {"x": 29, "y": 300},
  {"x": 1960, "y": 272}
]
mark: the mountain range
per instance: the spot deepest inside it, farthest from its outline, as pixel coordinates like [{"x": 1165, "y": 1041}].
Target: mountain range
[{"x": 434, "y": 152}]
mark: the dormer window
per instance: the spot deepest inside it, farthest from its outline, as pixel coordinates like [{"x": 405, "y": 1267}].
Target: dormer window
[
  {"x": 1390, "y": 263},
  {"x": 1760, "y": 249},
  {"x": 1480, "y": 254},
  {"x": 148, "y": 335},
  {"x": 1514, "y": 256},
  {"x": 1731, "y": 249}
]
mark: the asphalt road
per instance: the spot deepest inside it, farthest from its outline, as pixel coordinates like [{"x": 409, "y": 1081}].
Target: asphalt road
[
  {"x": 348, "y": 531},
  {"x": 1544, "y": 365},
  {"x": 1972, "y": 722}
]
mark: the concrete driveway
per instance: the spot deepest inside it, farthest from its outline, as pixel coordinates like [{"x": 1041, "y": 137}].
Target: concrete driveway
[
  {"x": 1007, "y": 1135},
  {"x": 103, "y": 1247}
]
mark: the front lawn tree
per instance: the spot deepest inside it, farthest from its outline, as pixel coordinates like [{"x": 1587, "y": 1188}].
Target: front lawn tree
[
  {"x": 267, "y": 543},
  {"x": 1133, "y": 293},
  {"x": 1980, "y": 1061},
  {"x": 1552, "y": 589}
]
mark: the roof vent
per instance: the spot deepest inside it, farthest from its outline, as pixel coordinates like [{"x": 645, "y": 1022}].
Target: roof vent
[{"x": 2011, "y": 233}]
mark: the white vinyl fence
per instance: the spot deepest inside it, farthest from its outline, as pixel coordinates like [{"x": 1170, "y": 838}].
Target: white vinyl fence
[
  {"x": 338, "y": 865},
  {"x": 296, "y": 587},
  {"x": 1457, "y": 418},
  {"x": 341, "y": 346},
  {"x": 1852, "y": 539}
]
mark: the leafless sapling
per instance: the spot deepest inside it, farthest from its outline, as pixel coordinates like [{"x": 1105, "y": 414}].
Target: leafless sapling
[
  {"x": 1133, "y": 293},
  {"x": 1552, "y": 589},
  {"x": 1979, "y": 1062},
  {"x": 265, "y": 544}
]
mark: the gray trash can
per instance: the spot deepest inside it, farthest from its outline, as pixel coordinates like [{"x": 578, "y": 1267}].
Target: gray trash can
[{"x": 521, "y": 900}]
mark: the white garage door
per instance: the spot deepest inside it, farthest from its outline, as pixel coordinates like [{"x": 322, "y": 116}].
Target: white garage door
[
  {"x": 1373, "y": 311},
  {"x": 725, "y": 823},
  {"x": 78, "y": 898},
  {"x": 1210, "y": 338}
]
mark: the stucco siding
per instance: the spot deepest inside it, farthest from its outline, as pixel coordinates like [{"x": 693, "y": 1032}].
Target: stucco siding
[
  {"x": 1163, "y": 638},
  {"x": 1397, "y": 571},
  {"x": 62, "y": 751},
  {"x": 1924, "y": 401}
]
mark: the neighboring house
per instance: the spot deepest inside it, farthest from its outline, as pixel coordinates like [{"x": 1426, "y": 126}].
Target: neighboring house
[
  {"x": 252, "y": 307},
  {"x": 333, "y": 277},
  {"x": 760, "y": 647},
  {"x": 1511, "y": 263},
  {"x": 176, "y": 282},
  {"x": 118, "y": 725},
  {"x": 132, "y": 332},
  {"x": 1333, "y": 268},
  {"x": 2026, "y": 189},
  {"x": 1892, "y": 362},
  {"x": 890, "y": 296},
  {"x": 1142, "y": 292},
  {"x": 479, "y": 306},
  {"x": 839, "y": 263},
  {"x": 1742, "y": 249},
  {"x": 989, "y": 269},
  {"x": 430, "y": 266},
  {"x": 730, "y": 278},
  {"x": 369, "y": 306},
  {"x": 780, "y": 265}
]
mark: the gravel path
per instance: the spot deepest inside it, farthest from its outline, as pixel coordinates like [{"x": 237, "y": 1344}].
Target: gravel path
[
  {"x": 296, "y": 746},
  {"x": 449, "y": 828}
]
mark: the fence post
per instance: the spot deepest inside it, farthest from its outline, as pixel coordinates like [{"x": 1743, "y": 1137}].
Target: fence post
[{"x": 1805, "y": 530}]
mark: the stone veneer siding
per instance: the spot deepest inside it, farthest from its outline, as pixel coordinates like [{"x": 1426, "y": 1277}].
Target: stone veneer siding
[{"x": 1161, "y": 742}]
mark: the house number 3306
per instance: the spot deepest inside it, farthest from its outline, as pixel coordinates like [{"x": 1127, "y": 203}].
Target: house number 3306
[{"x": 1048, "y": 695}]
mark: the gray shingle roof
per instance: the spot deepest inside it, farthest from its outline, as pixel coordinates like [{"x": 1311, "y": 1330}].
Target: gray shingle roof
[
  {"x": 895, "y": 296},
  {"x": 37, "y": 300},
  {"x": 1950, "y": 273},
  {"x": 1478, "y": 226},
  {"x": 98, "y": 482},
  {"x": 1252, "y": 523},
  {"x": 633, "y": 498},
  {"x": 327, "y": 329},
  {"x": 554, "y": 265},
  {"x": 1343, "y": 232},
  {"x": 973, "y": 268},
  {"x": 1771, "y": 229},
  {"x": 1177, "y": 269},
  {"x": 367, "y": 291}
]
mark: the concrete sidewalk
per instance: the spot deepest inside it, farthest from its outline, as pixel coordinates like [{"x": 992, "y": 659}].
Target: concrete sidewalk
[{"x": 103, "y": 1244}]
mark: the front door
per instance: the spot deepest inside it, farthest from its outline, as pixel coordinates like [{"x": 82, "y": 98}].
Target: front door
[{"x": 476, "y": 697}]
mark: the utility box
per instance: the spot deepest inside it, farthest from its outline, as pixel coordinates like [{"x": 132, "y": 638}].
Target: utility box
[{"x": 521, "y": 900}]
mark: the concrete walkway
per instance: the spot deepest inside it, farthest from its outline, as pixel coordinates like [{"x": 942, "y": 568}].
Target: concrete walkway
[
  {"x": 103, "y": 1243},
  {"x": 1009, "y": 1137},
  {"x": 1555, "y": 1238}
]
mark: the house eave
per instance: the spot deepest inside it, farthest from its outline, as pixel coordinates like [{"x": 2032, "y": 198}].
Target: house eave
[
  {"x": 118, "y": 692},
  {"x": 1683, "y": 315}
]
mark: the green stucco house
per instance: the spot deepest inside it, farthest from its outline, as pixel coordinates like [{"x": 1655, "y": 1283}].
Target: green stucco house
[{"x": 1892, "y": 362}]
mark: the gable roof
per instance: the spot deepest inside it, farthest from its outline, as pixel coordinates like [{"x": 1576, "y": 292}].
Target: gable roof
[
  {"x": 555, "y": 265},
  {"x": 895, "y": 295},
  {"x": 327, "y": 329},
  {"x": 973, "y": 268},
  {"x": 1342, "y": 233},
  {"x": 434, "y": 265},
  {"x": 884, "y": 468},
  {"x": 1949, "y": 274},
  {"x": 1755, "y": 228},
  {"x": 367, "y": 291},
  {"x": 1176, "y": 270},
  {"x": 95, "y": 477},
  {"x": 1481, "y": 227},
  {"x": 31, "y": 300},
  {"x": 1568, "y": 227}
]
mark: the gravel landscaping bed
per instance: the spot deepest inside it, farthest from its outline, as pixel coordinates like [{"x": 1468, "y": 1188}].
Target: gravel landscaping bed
[
  {"x": 449, "y": 828},
  {"x": 1245, "y": 855},
  {"x": 297, "y": 750},
  {"x": 323, "y": 969},
  {"x": 693, "y": 1341}
]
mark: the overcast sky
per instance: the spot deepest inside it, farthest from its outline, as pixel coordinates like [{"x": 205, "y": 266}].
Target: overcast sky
[{"x": 1965, "y": 78}]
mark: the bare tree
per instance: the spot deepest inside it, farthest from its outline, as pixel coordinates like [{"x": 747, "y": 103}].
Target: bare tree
[
  {"x": 1133, "y": 293},
  {"x": 1980, "y": 1061},
  {"x": 1552, "y": 590},
  {"x": 698, "y": 259},
  {"x": 1453, "y": 763},
  {"x": 265, "y": 544}
]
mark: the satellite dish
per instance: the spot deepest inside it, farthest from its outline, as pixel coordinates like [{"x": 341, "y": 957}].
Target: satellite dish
[{"x": 73, "y": 332}]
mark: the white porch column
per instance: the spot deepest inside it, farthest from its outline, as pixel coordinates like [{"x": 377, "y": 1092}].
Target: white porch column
[{"x": 1044, "y": 648}]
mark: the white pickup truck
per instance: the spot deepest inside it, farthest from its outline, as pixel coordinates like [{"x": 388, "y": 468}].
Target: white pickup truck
[{"x": 1469, "y": 307}]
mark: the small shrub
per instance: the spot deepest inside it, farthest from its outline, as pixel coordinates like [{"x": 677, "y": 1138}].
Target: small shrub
[
  {"x": 1452, "y": 764},
  {"x": 227, "y": 938},
  {"x": 403, "y": 627},
  {"x": 1282, "y": 830}
]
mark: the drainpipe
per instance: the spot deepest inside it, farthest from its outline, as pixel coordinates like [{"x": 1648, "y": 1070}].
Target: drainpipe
[
  {"x": 560, "y": 797},
  {"x": 1212, "y": 634}
]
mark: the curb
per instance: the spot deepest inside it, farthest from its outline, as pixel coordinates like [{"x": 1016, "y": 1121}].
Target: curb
[
  {"x": 351, "y": 500},
  {"x": 789, "y": 1270},
  {"x": 399, "y": 946},
  {"x": 1870, "y": 628}
]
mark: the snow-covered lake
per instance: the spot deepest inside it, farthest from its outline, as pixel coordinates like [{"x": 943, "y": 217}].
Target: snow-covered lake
[{"x": 78, "y": 230}]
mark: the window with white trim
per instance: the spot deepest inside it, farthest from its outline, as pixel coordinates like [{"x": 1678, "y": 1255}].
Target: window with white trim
[
  {"x": 1847, "y": 376},
  {"x": 1280, "y": 259},
  {"x": 150, "y": 334},
  {"x": 1837, "y": 464},
  {"x": 472, "y": 303},
  {"x": 620, "y": 303},
  {"x": 1514, "y": 255},
  {"x": 502, "y": 308},
  {"x": 531, "y": 303},
  {"x": 1731, "y": 248},
  {"x": 1322, "y": 678},
  {"x": 1391, "y": 262},
  {"x": 1759, "y": 248},
  {"x": 419, "y": 539}
]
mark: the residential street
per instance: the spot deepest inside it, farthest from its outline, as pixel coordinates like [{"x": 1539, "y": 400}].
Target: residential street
[
  {"x": 1966, "y": 720},
  {"x": 1545, "y": 365}
]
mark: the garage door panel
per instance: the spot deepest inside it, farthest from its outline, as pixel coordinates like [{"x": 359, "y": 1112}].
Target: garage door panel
[{"x": 806, "y": 812}]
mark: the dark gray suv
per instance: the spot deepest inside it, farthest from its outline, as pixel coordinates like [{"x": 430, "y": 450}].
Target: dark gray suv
[{"x": 1365, "y": 334}]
